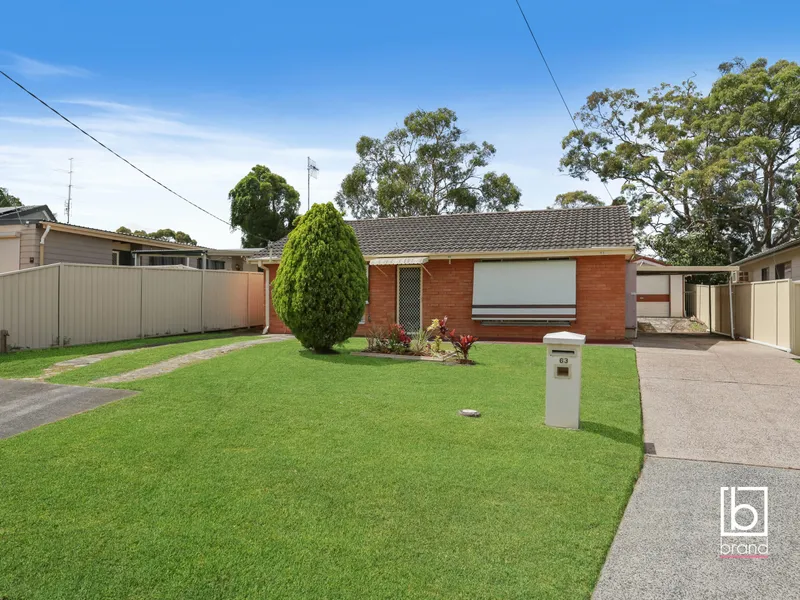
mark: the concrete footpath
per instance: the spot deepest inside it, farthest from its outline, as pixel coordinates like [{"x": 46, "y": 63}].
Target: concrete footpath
[{"x": 717, "y": 414}]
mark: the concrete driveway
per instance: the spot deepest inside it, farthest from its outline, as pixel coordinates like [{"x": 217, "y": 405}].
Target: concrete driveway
[
  {"x": 717, "y": 413},
  {"x": 711, "y": 398},
  {"x": 28, "y": 404}
]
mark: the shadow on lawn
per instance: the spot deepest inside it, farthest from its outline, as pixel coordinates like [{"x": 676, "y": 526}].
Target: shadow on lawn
[
  {"x": 612, "y": 433},
  {"x": 343, "y": 357}
]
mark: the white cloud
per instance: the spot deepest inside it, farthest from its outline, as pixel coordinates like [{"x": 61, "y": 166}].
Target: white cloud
[
  {"x": 33, "y": 68},
  {"x": 199, "y": 162}
]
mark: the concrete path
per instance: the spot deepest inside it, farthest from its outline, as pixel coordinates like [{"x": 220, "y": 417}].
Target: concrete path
[
  {"x": 76, "y": 363},
  {"x": 710, "y": 398},
  {"x": 717, "y": 413},
  {"x": 170, "y": 365},
  {"x": 28, "y": 404}
]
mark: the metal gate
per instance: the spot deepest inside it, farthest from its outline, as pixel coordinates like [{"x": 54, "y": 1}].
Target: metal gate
[{"x": 409, "y": 298}]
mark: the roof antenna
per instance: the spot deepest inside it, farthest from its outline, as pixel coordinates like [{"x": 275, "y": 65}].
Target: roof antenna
[{"x": 68, "y": 203}]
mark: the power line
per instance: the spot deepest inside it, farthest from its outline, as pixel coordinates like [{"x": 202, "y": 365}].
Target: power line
[
  {"x": 553, "y": 77},
  {"x": 122, "y": 158}
]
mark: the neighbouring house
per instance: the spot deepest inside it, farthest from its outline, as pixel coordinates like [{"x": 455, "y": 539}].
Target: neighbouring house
[
  {"x": 780, "y": 262},
  {"x": 659, "y": 294},
  {"x": 30, "y": 236},
  {"x": 502, "y": 276},
  {"x": 234, "y": 259}
]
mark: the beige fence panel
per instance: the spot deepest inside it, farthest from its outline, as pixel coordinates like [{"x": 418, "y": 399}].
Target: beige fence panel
[
  {"x": 698, "y": 302},
  {"x": 225, "y": 300},
  {"x": 743, "y": 304},
  {"x": 29, "y": 307},
  {"x": 99, "y": 303},
  {"x": 80, "y": 304},
  {"x": 255, "y": 302},
  {"x": 721, "y": 309},
  {"x": 171, "y": 301},
  {"x": 794, "y": 316}
]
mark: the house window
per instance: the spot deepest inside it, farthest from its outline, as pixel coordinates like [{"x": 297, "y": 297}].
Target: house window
[
  {"x": 115, "y": 257},
  {"x": 783, "y": 271},
  {"x": 765, "y": 274},
  {"x": 524, "y": 292},
  {"x": 217, "y": 265},
  {"x": 161, "y": 261},
  {"x": 743, "y": 276}
]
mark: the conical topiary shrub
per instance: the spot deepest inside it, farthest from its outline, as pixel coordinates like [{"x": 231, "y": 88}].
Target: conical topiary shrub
[{"x": 320, "y": 289}]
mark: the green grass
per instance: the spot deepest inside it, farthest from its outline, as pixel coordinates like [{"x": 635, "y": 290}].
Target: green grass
[
  {"x": 31, "y": 363},
  {"x": 141, "y": 358},
  {"x": 271, "y": 472}
]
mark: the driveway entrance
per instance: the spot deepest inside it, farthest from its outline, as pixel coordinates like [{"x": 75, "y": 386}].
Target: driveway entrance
[
  {"x": 711, "y": 398},
  {"x": 28, "y": 404},
  {"x": 717, "y": 414}
]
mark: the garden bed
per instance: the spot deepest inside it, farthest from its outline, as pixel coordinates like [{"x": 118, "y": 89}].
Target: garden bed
[{"x": 426, "y": 344}]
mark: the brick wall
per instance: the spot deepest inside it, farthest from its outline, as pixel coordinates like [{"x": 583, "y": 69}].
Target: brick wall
[{"x": 447, "y": 290}]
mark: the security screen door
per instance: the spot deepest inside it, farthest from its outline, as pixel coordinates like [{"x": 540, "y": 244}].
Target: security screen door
[{"x": 409, "y": 298}]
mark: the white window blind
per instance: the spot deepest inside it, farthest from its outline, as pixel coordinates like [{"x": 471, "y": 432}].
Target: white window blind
[{"x": 524, "y": 291}]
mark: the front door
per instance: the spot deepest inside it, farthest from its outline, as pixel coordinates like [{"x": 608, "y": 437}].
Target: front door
[{"x": 409, "y": 298}]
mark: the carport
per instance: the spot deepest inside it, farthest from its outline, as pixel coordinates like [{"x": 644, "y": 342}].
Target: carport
[{"x": 673, "y": 272}]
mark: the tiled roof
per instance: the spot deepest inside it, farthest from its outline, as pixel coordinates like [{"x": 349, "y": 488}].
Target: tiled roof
[
  {"x": 521, "y": 231},
  {"x": 774, "y": 250}
]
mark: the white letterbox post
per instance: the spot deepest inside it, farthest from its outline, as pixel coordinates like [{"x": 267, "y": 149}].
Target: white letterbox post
[{"x": 563, "y": 399}]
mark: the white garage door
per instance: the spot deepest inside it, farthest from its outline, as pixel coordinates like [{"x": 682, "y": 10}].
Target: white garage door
[
  {"x": 524, "y": 291},
  {"x": 9, "y": 254},
  {"x": 652, "y": 295}
]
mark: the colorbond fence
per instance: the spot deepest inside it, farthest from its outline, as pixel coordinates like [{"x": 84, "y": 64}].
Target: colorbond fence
[
  {"x": 68, "y": 304},
  {"x": 764, "y": 311}
]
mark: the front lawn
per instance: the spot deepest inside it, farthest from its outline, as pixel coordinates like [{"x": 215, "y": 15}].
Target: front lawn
[{"x": 271, "y": 472}]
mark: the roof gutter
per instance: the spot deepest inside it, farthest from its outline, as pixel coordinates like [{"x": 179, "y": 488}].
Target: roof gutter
[
  {"x": 111, "y": 235},
  {"x": 599, "y": 251}
]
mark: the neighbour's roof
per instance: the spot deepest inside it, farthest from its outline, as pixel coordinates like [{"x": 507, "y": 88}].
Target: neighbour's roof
[
  {"x": 10, "y": 215},
  {"x": 779, "y": 248},
  {"x": 41, "y": 213},
  {"x": 490, "y": 233}
]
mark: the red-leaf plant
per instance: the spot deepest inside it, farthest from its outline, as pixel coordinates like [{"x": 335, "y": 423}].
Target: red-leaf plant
[
  {"x": 398, "y": 336},
  {"x": 462, "y": 344}
]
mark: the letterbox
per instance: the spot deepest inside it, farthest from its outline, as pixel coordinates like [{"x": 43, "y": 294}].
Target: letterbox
[{"x": 563, "y": 396}]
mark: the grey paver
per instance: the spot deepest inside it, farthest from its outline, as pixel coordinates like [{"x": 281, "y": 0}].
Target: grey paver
[
  {"x": 668, "y": 543},
  {"x": 28, "y": 404},
  {"x": 170, "y": 365}
]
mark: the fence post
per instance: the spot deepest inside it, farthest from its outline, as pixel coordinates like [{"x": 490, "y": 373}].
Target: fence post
[
  {"x": 202, "y": 299},
  {"x": 60, "y": 316},
  {"x": 141, "y": 302},
  {"x": 247, "y": 304},
  {"x": 730, "y": 303}
]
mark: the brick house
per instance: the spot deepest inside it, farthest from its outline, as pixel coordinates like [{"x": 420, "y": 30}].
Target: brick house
[{"x": 500, "y": 276}]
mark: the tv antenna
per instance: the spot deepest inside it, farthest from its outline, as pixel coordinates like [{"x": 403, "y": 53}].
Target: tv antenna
[
  {"x": 68, "y": 203},
  {"x": 312, "y": 172}
]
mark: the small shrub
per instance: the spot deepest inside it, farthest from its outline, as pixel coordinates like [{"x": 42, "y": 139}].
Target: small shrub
[
  {"x": 377, "y": 339},
  {"x": 419, "y": 345},
  {"x": 398, "y": 339},
  {"x": 463, "y": 344}
]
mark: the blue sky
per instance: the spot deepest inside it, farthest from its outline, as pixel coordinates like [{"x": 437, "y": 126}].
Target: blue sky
[{"x": 197, "y": 93}]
